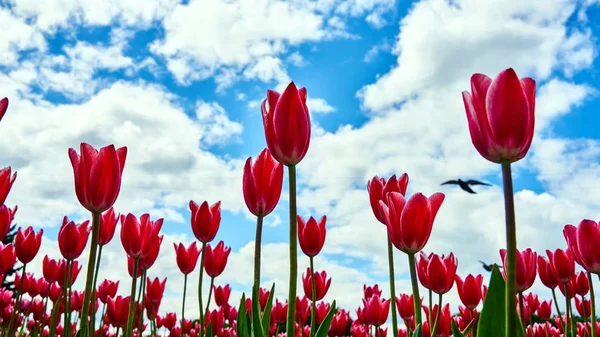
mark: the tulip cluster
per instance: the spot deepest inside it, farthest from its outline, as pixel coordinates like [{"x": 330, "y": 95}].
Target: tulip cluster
[{"x": 500, "y": 114}]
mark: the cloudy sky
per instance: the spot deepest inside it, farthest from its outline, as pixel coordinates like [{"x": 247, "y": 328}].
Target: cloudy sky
[{"x": 179, "y": 83}]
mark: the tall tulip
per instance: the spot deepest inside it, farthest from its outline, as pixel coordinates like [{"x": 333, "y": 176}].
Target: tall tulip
[
  {"x": 6, "y": 182},
  {"x": 7, "y": 216},
  {"x": 3, "y": 107},
  {"x": 501, "y": 118},
  {"x": 214, "y": 264},
  {"x": 262, "y": 183},
  {"x": 286, "y": 122}
]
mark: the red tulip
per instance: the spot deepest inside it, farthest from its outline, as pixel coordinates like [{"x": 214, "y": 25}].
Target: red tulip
[
  {"x": 570, "y": 287},
  {"x": 544, "y": 311},
  {"x": 469, "y": 290},
  {"x": 205, "y": 220},
  {"x": 322, "y": 283},
  {"x": 108, "y": 224},
  {"x": 6, "y": 218},
  {"x": 311, "y": 235},
  {"x": 154, "y": 292},
  {"x": 263, "y": 297},
  {"x": 406, "y": 307},
  {"x": 72, "y": 238},
  {"x": 50, "y": 269},
  {"x": 547, "y": 275},
  {"x": 27, "y": 244},
  {"x": 340, "y": 324},
  {"x": 302, "y": 309},
  {"x": 279, "y": 312},
  {"x": 445, "y": 321},
  {"x": 287, "y": 124},
  {"x": 525, "y": 268},
  {"x": 117, "y": 310},
  {"x": 376, "y": 310},
  {"x": 378, "y": 190},
  {"x": 532, "y": 301},
  {"x": 501, "y": 115},
  {"x": 186, "y": 257},
  {"x": 370, "y": 291},
  {"x": 262, "y": 183},
  {"x": 97, "y": 175},
  {"x": 107, "y": 289},
  {"x": 583, "y": 243},
  {"x": 137, "y": 237},
  {"x": 8, "y": 257},
  {"x": 563, "y": 264},
  {"x": 409, "y": 223},
  {"x": 222, "y": 295},
  {"x": 437, "y": 272},
  {"x": 582, "y": 284},
  {"x": 584, "y": 307},
  {"x": 321, "y": 312},
  {"x": 215, "y": 259},
  {"x": 3, "y": 107},
  {"x": 148, "y": 261},
  {"x": 6, "y": 182},
  {"x": 62, "y": 271}
]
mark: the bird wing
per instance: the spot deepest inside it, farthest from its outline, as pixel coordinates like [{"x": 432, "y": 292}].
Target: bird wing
[
  {"x": 466, "y": 188},
  {"x": 450, "y": 182},
  {"x": 476, "y": 182}
]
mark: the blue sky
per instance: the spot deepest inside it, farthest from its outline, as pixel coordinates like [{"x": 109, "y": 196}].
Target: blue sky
[{"x": 180, "y": 83}]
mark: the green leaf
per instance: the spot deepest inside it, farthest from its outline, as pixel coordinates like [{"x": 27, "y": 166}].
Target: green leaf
[
  {"x": 418, "y": 332},
  {"x": 208, "y": 332},
  {"x": 266, "y": 320},
  {"x": 257, "y": 327},
  {"x": 324, "y": 327},
  {"x": 492, "y": 317},
  {"x": 242, "y": 328},
  {"x": 455, "y": 331}
]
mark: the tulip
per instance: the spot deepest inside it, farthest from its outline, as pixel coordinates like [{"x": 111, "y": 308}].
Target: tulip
[
  {"x": 263, "y": 297},
  {"x": 437, "y": 273},
  {"x": 72, "y": 238},
  {"x": 547, "y": 275},
  {"x": 154, "y": 294},
  {"x": 583, "y": 307},
  {"x": 8, "y": 257},
  {"x": 525, "y": 268},
  {"x": 3, "y": 107},
  {"x": 582, "y": 285},
  {"x": 340, "y": 324},
  {"x": 378, "y": 190},
  {"x": 322, "y": 283},
  {"x": 532, "y": 301},
  {"x": 311, "y": 235},
  {"x": 148, "y": 261},
  {"x": 138, "y": 236},
  {"x": 544, "y": 311},
  {"x": 73, "y": 270},
  {"x": 107, "y": 289},
  {"x": 563, "y": 264},
  {"x": 186, "y": 257},
  {"x": 27, "y": 244},
  {"x": 215, "y": 259},
  {"x": 117, "y": 311},
  {"x": 6, "y": 182},
  {"x": 278, "y": 312},
  {"x": 50, "y": 269},
  {"x": 222, "y": 295},
  {"x": 376, "y": 310},
  {"x": 469, "y": 290},
  {"x": 582, "y": 241},
  {"x": 6, "y": 217},
  {"x": 108, "y": 224},
  {"x": 370, "y": 291}
]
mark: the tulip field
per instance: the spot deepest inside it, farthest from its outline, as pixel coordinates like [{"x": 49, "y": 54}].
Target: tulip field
[{"x": 500, "y": 113}]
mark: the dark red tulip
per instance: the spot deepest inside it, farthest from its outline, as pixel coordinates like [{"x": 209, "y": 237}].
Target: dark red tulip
[
  {"x": 279, "y": 312},
  {"x": 340, "y": 324},
  {"x": 544, "y": 311},
  {"x": 27, "y": 244},
  {"x": 532, "y": 301},
  {"x": 6, "y": 182},
  {"x": 137, "y": 237},
  {"x": 263, "y": 297},
  {"x": 154, "y": 293},
  {"x": 563, "y": 264},
  {"x": 370, "y": 291},
  {"x": 148, "y": 261},
  {"x": 3, "y": 107},
  {"x": 469, "y": 290},
  {"x": 311, "y": 235},
  {"x": 108, "y": 224},
  {"x": 570, "y": 288},
  {"x": 501, "y": 115},
  {"x": 437, "y": 272},
  {"x": 6, "y": 218},
  {"x": 215, "y": 259},
  {"x": 378, "y": 189},
  {"x": 582, "y": 284},
  {"x": 8, "y": 257},
  {"x": 321, "y": 312},
  {"x": 406, "y": 306},
  {"x": 62, "y": 271},
  {"x": 222, "y": 295},
  {"x": 262, "y": 183},
  {"x": 205, "y": 220},
  {"x": 444, "y": 325},
  {"x": 287, "y": 124},
  {"x": 409, "y": 223},
  {"x": 322, "y": 283},
  {"x": 525, "y": 268},
  {"x": 584, "y": 307},
  {"x": 97, "y": 175},
  {"x": 50, "y": 269},
  {"x": 107, "y": 289},
  {"x": 376, "y": 310},
  {"x": 133, "y": 273},
  {"x": 186, "y": 257},
  {"x": 302, "y": 309},
  {"x": 72, "y": 238},
  {"x": 547, "y": 275},
  {"x": 583, "y": 243},
  {"x": 117, "y": 310}
]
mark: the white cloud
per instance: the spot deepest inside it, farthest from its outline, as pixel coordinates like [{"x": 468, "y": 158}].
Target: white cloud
[
  {"x": 216, "y": 125},
  {"x": 319, "y": 105},
  {"x": 17, "y": 36},
  {"x": 376, "y": 50}
]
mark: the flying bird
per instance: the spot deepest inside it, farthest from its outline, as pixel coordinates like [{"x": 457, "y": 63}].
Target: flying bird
[
  {"x": 465, "y": 185},
  {"x": 489, "y": 267}
]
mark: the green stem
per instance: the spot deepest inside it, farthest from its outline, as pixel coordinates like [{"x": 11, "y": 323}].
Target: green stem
[
  {"x": 142, "y": 295},
  {"x": 313, "y": 286},
  {"x": 430, "y": 316},
  {"x": 67, "y": 299},
  {"x": 132, "y": 309},
  {"x": 474, "y": 329},
  {"x": 210, "y": 291},
  {"x": 392, "y": 286},
  {"x": 54, "y": 315},
  {"x": 437, "y": 316},
  {"x": 200, "y": 289},
  {"x": 183, "y": 305},
  {"x": 522, "y": 308},
  {"x": 568, "y": 310},
  {"x": 102, "y": 320},
  {"x": 593, "y": 300},
  {"x": 93, "y": 301},
  {"x": 291, "y": 314},
  {"x": 16, "y": 306},
  {"x": 415, "y": 289},
  {"x": 583, "y": 312},
  {"x": 511, "y": 250},
  {"x": 560, "y": 320},
  {"x": 89, "y": 281},
  {"x": 257, "y": 250}
]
